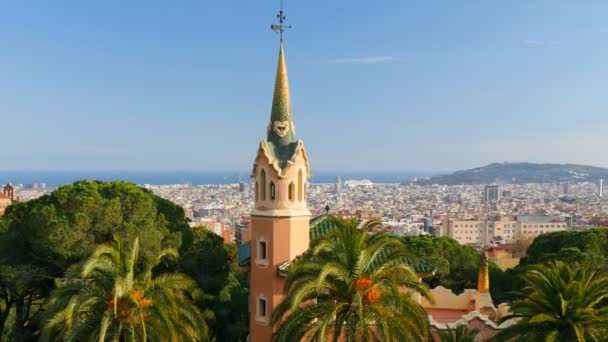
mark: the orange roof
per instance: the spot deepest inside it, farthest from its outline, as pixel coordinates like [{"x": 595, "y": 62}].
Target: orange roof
[{"x": 3, "y": 196}]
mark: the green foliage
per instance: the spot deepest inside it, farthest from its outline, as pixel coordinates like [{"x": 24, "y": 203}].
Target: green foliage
[
  {"x": 107, "y": 298},
  {"x": 213, "y": 264},
  {"x": 41, "y": 238},
  {"x": 559, "y": 303},
  {"x": 572, "y": 247},
  {"x": 457, "y": 266},
  {"x": 586, "y": 246},
  {"x": 348, "y": 280},
  {"x": 459, "y": 334},
  {"x": 502, "y": 283}
]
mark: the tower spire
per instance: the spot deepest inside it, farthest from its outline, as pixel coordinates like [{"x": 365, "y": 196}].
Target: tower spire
[
  {"x": 281, "y": 129},
  {"x": 483, "y": 278}
]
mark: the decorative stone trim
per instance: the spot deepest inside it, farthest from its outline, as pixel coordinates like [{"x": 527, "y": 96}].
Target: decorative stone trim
[
  {"x": 466, "y": 319},
  {"x": 274, "y": 163},
  {"x": 281, "y": 212}
]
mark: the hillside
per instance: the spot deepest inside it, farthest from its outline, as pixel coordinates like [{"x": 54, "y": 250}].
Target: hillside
[{"x": 521, "y": 173}]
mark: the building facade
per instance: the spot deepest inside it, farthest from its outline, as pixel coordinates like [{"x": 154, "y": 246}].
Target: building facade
[
  {"x": 280, "y": 218},
  {"x": 504, "y": 229}
]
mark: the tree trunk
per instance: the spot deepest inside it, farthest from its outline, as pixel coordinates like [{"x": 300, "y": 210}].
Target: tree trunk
[
  {"x": 8, "y": 304},
  {"x": 18, "y": 332}
]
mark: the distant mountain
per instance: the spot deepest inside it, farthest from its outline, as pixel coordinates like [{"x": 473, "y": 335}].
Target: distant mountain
[{"x": 521, "y": 173}]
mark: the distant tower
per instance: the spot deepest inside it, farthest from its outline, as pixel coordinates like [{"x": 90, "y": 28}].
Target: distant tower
[
  {"x": 7, "y": 197},
  {"x": 338, "y": 184},
  {"x": 566, "y": 187},
  {"x": 600, "y": 188},
  {"x": 9, "y": 191},
  {"x": 280, "y": 218},
  {"x": 490, "y": 193}
]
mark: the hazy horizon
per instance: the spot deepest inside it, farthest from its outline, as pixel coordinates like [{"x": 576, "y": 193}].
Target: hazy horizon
[{"x": 315, "y": 170}]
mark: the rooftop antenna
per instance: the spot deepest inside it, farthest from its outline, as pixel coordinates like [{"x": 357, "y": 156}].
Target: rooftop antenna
[{"x": 281, "y": 27}]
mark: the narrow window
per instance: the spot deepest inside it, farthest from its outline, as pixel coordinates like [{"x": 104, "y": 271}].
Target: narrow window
[
  {"x": 292, "y": 190},
  {"x": 263, "y": 184},
  {"x": 262, "y": 251},
  {"x": 262, "y": 307},
  {"x": 300, "y": 186},
  {"x": 273, "y": 191},
  {"x": 257, "y": 188}
]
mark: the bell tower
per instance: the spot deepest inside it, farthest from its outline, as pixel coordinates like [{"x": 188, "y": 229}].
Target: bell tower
[
  {"x": 9, "y": 191},
  {"x": 280, "y": 218}
]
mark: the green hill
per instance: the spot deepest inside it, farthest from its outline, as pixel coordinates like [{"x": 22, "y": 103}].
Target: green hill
[{"x": 521, "y": 173}]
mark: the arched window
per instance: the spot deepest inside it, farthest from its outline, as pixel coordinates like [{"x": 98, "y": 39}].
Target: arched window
[
  {"x": 292, "y": 192},
  {"x": 263, "y": 184},
  {"x": 300, "y": 185},
  {"x": 257, "y": 188},
  {"x": 273, "y": 191}
]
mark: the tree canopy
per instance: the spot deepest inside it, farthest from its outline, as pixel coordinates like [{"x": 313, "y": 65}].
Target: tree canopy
[
  {"x": 457, "y": 266},
  {"x": 42, "y": 238},
  {"x": 214, "y": 266},
  {"x": 570, "y": 246}
]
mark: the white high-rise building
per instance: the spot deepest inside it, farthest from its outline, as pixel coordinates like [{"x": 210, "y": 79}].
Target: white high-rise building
[{"x": 600, "y": 188}]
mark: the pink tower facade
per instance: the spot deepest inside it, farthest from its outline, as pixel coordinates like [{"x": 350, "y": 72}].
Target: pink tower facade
[{"x": 280, "y": 218}]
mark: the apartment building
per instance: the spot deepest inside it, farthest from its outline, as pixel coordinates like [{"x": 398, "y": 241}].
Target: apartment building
[{"x": 504, "y": 229}]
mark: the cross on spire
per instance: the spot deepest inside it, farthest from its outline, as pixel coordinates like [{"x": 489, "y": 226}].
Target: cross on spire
[{"x": 281, "y": 26}]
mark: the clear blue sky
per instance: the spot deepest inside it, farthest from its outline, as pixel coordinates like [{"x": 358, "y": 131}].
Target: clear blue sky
[{"x": 376, "y": 85}]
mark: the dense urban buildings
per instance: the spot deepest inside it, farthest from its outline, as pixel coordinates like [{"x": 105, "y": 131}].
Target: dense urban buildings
[{"x": 404, "y": 208}]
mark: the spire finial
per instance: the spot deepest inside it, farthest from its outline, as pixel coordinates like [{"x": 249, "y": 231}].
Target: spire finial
[
  {"x": 281, "y": 27},
  {"x": 483, "y": 278}
]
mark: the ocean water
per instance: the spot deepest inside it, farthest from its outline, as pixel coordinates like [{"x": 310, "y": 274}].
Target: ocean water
[{"x": 57, "y": 178}]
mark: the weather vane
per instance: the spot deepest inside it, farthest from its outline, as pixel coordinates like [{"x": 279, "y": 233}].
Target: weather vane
[{"x": 281, "y": 27}]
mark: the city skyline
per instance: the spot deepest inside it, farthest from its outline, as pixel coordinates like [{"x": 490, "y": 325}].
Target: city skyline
[{"x": 405, "y": 86}]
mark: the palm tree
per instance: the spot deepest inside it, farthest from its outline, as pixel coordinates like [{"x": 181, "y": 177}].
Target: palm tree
[
  {"x": 459, "y": 334},
  {"x": 559, "y": 303},
  {"x": 108, "y": 299},
  {"x": 353, "y": 285}
]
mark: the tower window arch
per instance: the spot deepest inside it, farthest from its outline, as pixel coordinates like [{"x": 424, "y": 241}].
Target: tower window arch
[
  {"x": 257, "y": 188},
  {"x": 300, "y": 185},
  {"x": 263, "y": 185},
  {"x": 273, "y": 191}
]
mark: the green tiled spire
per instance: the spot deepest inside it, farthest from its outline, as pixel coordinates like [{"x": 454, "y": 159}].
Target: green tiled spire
[{"x": 281, "y": 129}]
